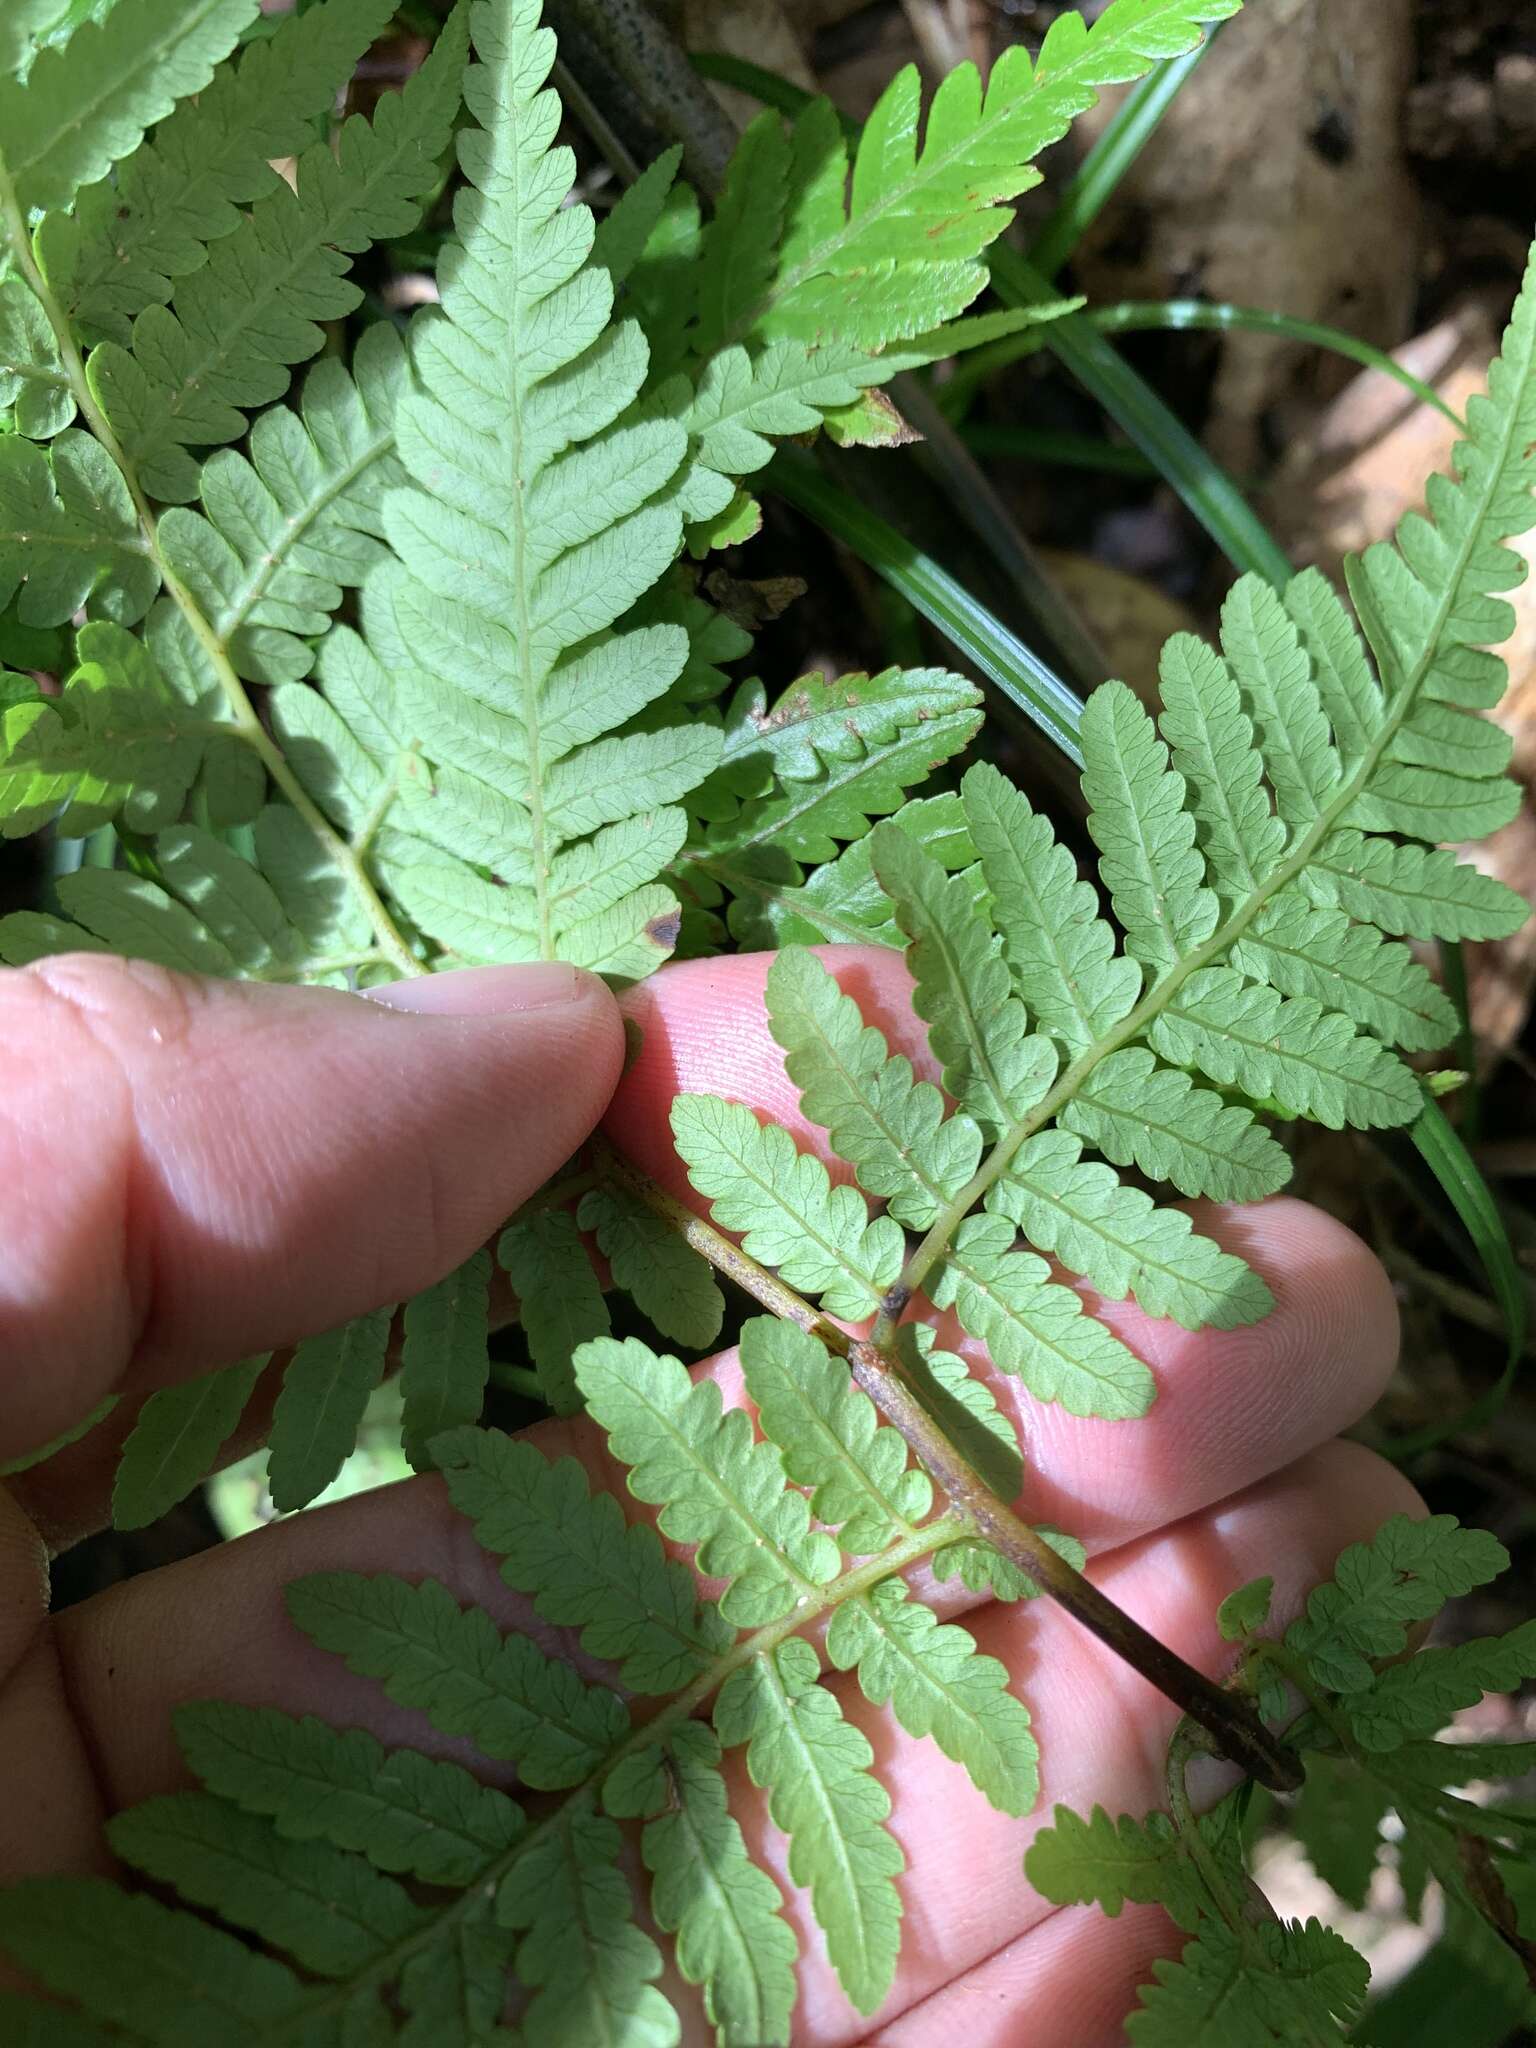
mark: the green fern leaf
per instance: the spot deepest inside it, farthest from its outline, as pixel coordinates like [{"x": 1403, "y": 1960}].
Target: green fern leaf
[
  {"x": 1211, "y": 737},
  {"x": 831, "y": 1439},
  {"x": 238, "y": 323},
  {"x": 445, "y": 1360},
  {"x": 129, "y": 238},
  {"x": 407, "y": 1813},
  {"x": 938, "y": 1684},
  {"x": 894, "y": 251},
  {"x": 87, "y": 102},
  {"x": 169, "y": 1977},
  {"x": 235, "y": 903},
  {"x": 330, "y": 1910},
  {"x": 1318, "y": 954},
  {"x": 138, "y": 919},
  {"x": 176, "y": 1439},
  {"x": 325, "y": 1390},
  {"x": 559, "y": 518},
  {"x": 34, "y": 384},
  {"x": 1416, "y": 890},
  {"x": 1421, "y": 1696},
  {"x": 589, "y": 1967},
  {"x": 1115, "y": 1863},
  {"x": 69, "y": 534},
  {"x": 1241, "y": 1035},
  {"x": 716, "y": 1488},
  {"x": 670, "y": 1282},
  {"x": 1290, "y": 1981},
  {"x": 118, "y": 741},
  {"x": 1429, "y": 606},
  {"x": 26, "y": 2024},
  {"x": 726, "y": 1914},
  {"x": 1037, "y": 1328},
  {"x": 1119, "y": 1239},
  {"x": 1337, "y": 1819},
  {"x": 1350, "y": 694},
  {"x": 289, "y": 529},
  {"x": 1062, "y": 953},
  {"x": 582, "y": 1563},
  {"x": 1378, "y": 1589},
  {"x": 1139, "y": 1114},
  {"x": 819, "y": 1236},
  {"x": 1266, "y": 656},
  {"x": 993, "y": 1065},
  {"x": 828, "y": 757},
  {"x": 891, "y": 1129},
  {"x": 822, "y": 1793},
  {"x": 1146, "y": 838},
  {"x": 964, "y": 1407},
  {"x": 560, "y": 1303},
  {"x": 459, "y": 1670}
]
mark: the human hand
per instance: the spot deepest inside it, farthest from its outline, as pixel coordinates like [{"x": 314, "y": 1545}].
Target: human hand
[{"x": 208, "y": 1170}]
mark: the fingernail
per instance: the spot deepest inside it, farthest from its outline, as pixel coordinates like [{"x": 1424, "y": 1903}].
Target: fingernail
[{"x": 486, "y": 991}]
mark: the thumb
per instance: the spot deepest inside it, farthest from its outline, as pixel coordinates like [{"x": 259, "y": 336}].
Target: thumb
[{"x": 209, "y": 1169}]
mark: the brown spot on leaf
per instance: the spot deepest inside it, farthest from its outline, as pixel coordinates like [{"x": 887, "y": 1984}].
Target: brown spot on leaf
[{"x": 662, "y": 930}]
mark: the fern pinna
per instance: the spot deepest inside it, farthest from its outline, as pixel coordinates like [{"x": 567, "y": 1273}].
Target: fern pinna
[{"x": 422, "y": 674}]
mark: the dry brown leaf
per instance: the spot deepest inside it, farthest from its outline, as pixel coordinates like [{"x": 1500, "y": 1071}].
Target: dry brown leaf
[
  {"x": 1276, "y": 179},
  {"x": 1129, "y": 617}
]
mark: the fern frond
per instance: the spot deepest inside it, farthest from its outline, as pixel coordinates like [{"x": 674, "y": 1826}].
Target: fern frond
[
  {"x": 993, "y": 1065},
  {"x": 462, "y": 1673},
  {"x": 716, "y": 1488},
  {"x": 561, "y": 1304},
  {"x": 34, "y": 384},
  {"x": 890, "y": 1128},
  {"x": 176, "y": 1439},
  {"x": 726, "y": 1914},
  {"x": 325, "y": 1390},
  {"x": 589, "y": 1967},
  {"x": 1037, "y": 1328},
  {"x": 327, "y": 1908},
  {"x": 285, "y": 531},
  {"x": 938, "y": 1684},
  {"x": 444, "y": 1358},
  {"x": 831, "y": 1438},
  {"x": 128, "y": 239},
  {"x": 672, "y": 1284},
  {"x": 820, "y": 1237},
  {"x": 69, "y": 536},
  {"x": 815, "y": 1768},
  {"x": 407, "y": 1813},
  {"x": 1081, "y": 1212},
  {"x": 583, "y": 1564},
  {"x": 237, "y": 324},
  {"x": 800, "y": 250},
  {"x": 86, "y": 102},
  {"x": 1300, "y": 1981}
]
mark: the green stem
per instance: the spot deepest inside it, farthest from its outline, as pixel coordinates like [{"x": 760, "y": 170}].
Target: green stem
[{"x": 244, "y": 722}]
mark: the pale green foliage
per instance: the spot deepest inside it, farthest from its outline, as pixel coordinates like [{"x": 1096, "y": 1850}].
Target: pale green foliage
[
  {"x": 561, "y": 1302},
  {"x": 236, "y": 324},
  {"x": 325, "y": 1390},
  {"x": 86, "y": 103},
  {"x": 820, "y": 1237},
  {"x": 821, "y": 1791},
  {"x": 128, "y": 240},
  {"x": 402, "y": 1884},
  {"x": 669, "y": 1281},
  {"x": 1248, "y": 1980},
  {"x": 731, "y": 1936}
]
